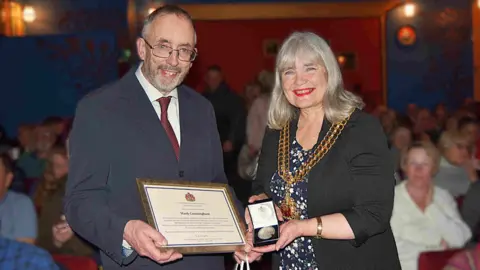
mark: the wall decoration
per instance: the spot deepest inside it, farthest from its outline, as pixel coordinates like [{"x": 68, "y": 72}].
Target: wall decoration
[
  {"x": 407, "y": 35},
  {"x": 439, "y": 67},
  {"x": 347, "y": 61},
  {"x": 61, "y": 69},
  {"x": 241, "y": 61},
  {"x": 271, "y": 47}
]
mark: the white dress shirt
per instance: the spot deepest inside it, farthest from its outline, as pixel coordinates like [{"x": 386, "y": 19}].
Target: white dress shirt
[
  {"x": 153, "y": 94},
  {"x": 416, "y": 231},
  {"x": 173, "y": 114}
]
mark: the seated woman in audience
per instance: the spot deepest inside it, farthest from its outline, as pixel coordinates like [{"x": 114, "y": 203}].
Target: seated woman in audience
[
  {"x": 457, "y": 169},
  {"x": 55, "y": 235},
  {"x": 425, "y": 217}
]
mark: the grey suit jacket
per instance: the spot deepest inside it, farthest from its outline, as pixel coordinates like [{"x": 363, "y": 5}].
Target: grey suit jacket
[{"x": 116, "y": 138}]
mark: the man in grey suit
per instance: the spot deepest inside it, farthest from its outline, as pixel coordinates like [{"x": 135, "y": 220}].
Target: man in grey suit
[{"x": 146, "y": 125}]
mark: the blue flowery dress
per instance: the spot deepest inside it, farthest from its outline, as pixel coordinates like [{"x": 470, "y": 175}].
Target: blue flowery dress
[{"x": 299, "y": 254}]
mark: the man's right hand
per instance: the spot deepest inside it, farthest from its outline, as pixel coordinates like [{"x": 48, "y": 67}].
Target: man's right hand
[{"x": 147, "y": 242}]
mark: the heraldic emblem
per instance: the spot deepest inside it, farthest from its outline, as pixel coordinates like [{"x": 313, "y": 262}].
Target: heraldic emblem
[{"x": 189, "y": 197}]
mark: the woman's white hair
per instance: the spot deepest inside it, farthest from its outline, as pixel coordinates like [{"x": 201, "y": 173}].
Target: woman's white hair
[{"x": 337, "y": 102}]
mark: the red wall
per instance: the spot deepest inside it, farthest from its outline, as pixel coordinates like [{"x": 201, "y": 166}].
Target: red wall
[{"x": 237, "y": 47}]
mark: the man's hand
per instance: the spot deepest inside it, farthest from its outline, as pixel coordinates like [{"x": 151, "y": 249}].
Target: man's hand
[
  {"x": 241, "y": 254},
  {"x": 148, "y": 242}
]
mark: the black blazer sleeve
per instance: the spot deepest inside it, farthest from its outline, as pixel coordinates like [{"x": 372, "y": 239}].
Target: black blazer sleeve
[
  {"x": 470, "y": 208},
  {"x": 267, "y": 163},
  {"x": 373, "y": 180},
  {"x": 86, "y": 207}
]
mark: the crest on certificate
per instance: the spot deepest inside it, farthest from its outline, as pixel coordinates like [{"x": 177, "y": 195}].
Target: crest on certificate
[{"x": 189, "y": 197}]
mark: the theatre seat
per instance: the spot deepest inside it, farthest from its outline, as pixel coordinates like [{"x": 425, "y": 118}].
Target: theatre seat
[
  {"x": 435, "y": 260},
  {"x": 75, "y": 262}
]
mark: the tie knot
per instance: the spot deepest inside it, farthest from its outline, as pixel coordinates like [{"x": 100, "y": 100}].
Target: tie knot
[{"x": 164, "y": 102}]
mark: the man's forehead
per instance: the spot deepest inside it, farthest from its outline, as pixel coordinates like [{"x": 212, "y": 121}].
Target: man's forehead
[{"x": 173, "y": 29}]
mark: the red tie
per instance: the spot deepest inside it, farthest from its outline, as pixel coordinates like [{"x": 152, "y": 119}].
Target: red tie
[{"x": 164, "y": 102}]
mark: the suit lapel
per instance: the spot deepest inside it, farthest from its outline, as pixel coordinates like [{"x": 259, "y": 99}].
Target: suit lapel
[
  {"x": 187, "y": 118},
  {"x": 139, "y": 110}
]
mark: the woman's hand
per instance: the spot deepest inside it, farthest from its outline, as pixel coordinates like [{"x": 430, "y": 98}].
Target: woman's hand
[
  {"x": 61, "y": 233},
  {"x": 260, "y": 197},
  {"x": 252, "y": 151},
  {"x": 290, "y": 231}
]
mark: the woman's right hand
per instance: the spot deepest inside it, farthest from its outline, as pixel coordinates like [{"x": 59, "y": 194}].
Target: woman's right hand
[{"x": 61, "y": 233}]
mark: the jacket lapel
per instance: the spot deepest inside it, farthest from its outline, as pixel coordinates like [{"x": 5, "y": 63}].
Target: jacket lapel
[
  {"x": 187, "y": 120},
  {"x": 138, "y": 109}
]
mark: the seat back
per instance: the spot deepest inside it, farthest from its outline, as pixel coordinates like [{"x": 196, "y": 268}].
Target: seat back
[
  {"x": 75, "y": 262},
  {"x": 435, "y": 260}
]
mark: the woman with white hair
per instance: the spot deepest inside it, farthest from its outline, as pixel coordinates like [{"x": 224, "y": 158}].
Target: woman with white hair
[{"x": 326, "y": 165}]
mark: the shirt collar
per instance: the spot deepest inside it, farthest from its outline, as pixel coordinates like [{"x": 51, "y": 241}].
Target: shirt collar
[{"x": 152, "y": 93}]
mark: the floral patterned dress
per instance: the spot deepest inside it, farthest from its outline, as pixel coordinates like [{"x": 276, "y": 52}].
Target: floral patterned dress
[{"x": 299, "y": 254}]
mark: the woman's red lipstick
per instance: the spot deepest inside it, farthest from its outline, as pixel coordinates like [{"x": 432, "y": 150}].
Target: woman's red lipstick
[{"x": 303, "y": 92}]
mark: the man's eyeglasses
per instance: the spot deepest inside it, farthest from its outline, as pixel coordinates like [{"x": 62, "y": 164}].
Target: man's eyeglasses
[{"x": 164, "y": 51}]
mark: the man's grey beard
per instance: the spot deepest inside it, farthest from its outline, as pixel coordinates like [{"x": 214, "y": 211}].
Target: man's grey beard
[{"x": 165, "y": 89}]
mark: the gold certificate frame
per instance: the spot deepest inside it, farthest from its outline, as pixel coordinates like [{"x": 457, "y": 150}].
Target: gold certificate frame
[{"x": 194, "y": 217}]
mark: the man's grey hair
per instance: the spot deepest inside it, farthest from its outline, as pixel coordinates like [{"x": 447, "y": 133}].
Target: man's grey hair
[{"x": 166, "y": 10}]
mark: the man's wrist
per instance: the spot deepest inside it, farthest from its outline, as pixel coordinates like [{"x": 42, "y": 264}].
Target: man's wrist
[{"x": 126, "y": 245}]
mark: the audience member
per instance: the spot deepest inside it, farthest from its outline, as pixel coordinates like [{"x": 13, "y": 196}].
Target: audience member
[
  {"x": 18, "y": 219},
  {"x": 55, "y": 235},
  {"x": 400, "y": 140},
  {"x": 5, "y": 143},
  {"x": 457, "y": 169},
  {"x": 251, "y": 92},
  {"x": 425, "y": 217},
  {"x": 26, "y": 138},
  {"x": 21, "y": 256},
  {"x": 230, "y": 116},
  {"x": 33, "y": 163}
]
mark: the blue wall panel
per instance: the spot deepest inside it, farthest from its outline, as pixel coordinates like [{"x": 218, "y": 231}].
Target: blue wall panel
[{"x": 47, "y": 75}]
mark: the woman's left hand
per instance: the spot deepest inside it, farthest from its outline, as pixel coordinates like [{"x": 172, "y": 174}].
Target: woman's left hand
[{"x": 289, "y": 231}]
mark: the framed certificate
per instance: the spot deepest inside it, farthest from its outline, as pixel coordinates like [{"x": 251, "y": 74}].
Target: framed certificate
[{"x": 194, "y": 217}]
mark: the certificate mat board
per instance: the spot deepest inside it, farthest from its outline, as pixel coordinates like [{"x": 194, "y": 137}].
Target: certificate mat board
[{"x": 194, "y": 217}]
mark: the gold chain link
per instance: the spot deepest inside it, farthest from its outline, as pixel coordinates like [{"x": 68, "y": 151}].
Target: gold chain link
[{"x": 288, "y": 207}]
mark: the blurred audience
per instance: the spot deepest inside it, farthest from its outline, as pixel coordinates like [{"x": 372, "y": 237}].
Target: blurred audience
[
  {"x": 18, "y": 219},
  {"x": 425, "y": 217},
  {"x": 15, "y": 255},
  {"x": 457, "y": 169},
  {"x": 55, "y": 235}
]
